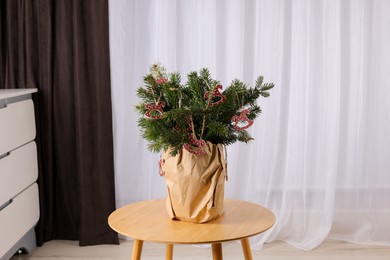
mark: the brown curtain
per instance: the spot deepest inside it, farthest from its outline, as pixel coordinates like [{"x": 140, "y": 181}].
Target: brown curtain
[{"x": 61, "y": 47}]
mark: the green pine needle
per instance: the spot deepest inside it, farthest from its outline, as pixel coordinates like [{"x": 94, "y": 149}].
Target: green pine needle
[{"x": 184, "y": 101}]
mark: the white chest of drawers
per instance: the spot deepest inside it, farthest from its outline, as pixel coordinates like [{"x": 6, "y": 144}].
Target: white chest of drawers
[{"x": 19, "y": 200}]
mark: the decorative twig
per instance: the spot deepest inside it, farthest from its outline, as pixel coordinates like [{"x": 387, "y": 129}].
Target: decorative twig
[
  {"x": 158, "y": 101},
  {"x": 210, "y": 97},
  {"x": 192, "y": 127},
  {"x": 181, "y": 96}
]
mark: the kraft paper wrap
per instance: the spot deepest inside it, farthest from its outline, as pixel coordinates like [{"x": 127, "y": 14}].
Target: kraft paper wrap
[{"x": 195, "y": 184}]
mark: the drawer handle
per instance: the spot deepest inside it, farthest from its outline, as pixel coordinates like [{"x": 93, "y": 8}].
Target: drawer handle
[
  {"x": 6, "y": 204},
  {"x": 4, "y": 155}
]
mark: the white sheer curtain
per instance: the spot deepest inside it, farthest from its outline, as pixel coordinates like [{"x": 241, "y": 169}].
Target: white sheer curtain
[{"x": 321, "y": 155}]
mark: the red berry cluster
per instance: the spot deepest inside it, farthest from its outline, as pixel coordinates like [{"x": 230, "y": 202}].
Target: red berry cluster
[{"x": 161, "y": 81}]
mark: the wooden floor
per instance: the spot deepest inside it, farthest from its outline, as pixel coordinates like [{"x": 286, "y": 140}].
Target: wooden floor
[{"x": 329, "y": 250}]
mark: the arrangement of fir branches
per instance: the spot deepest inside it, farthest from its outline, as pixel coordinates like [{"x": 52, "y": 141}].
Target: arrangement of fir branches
[{"x": 177, "y": 116}]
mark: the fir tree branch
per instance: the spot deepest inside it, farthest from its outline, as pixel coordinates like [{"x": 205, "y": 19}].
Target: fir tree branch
[{"x": 187, "y": 110}]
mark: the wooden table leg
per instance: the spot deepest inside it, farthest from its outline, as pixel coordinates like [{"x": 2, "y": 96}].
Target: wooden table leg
[
  {"x": 137, "y": 249},
  {"x": 217, "y": 251},
  {"x": 246, "y": 249},
  {"x": 169, "y": 252}
]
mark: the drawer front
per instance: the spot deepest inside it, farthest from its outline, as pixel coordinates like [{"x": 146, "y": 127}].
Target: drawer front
[
  {"x": 18, "y": 170},
  {"x": 18, "y": 217},
  {"x": 17, "y": 125}
]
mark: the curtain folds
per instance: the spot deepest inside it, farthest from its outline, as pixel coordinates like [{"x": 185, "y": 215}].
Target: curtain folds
[
  {"x": 62, "y": 48},
  {"x": 321, "y": 155}
]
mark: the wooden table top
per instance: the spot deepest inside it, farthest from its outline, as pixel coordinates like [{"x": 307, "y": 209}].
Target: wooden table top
[{"x": 148, "y": 221}]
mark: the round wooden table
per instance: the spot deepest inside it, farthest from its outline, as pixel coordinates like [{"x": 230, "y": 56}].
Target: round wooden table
[{"x": 148, "y": 221}]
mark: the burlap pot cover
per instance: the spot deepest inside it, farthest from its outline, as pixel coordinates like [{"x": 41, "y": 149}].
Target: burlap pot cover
[{"x": 195, "y": 184}]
